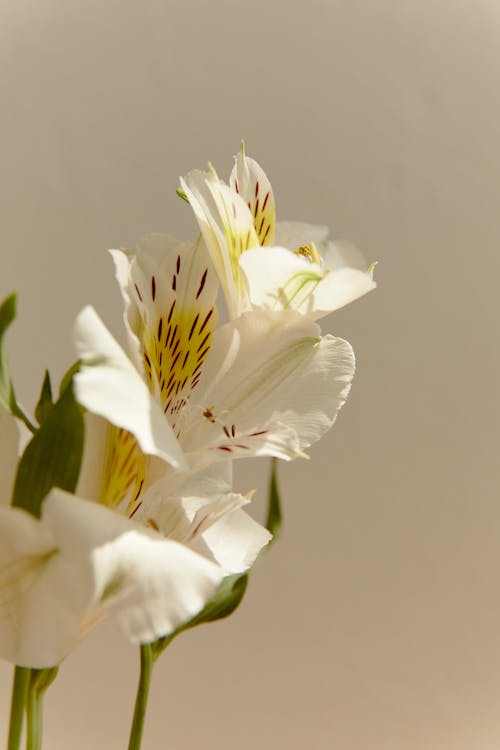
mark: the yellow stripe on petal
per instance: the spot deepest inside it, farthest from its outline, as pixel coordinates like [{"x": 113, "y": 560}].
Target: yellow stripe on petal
[
  {"x": 124, "y": 470},
  {"x": 176, "y": 292},
  {"x": 237, "y": 225},
  {"x": 174, "y": 354},
  {"x": 249, "y": 180}
]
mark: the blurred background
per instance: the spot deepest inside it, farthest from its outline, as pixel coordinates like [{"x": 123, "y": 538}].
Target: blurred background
[{"x": 375, "y": 622}]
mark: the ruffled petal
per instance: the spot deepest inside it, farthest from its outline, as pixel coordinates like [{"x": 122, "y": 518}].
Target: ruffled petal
[
  {"x": 226, "y": 533},
  {"x": 148, "y": 584},
  {"x": 80, "y": 562},
  {"x": 272, "y": 386}
]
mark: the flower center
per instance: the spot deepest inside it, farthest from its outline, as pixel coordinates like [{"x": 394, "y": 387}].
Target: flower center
[{"x": 310, "y": 252}]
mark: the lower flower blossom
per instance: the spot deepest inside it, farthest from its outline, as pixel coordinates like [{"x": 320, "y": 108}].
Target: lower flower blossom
[{"x": 81, "y": 561}]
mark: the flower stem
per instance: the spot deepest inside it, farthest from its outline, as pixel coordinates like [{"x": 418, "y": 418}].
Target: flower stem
[
  {"x": 39, "y": 682},
  {"x": 19, "y": 694},
  {"x": 34, "y": 720},
  {"x": 147, "y": 661}
]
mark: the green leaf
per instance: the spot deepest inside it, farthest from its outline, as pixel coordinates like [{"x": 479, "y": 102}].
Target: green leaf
[
  {"x": 7, "y": 396},
  {"x": 274, "y": 518},
  {"x": 226, "y": 600},
  {"x": 7, "y": 316},
  {"x": 68, "y": 376},
  {"x": 53, "y": 457},
  {"x": 232, "y": 589},
  {"x": 45, "y": 403}
]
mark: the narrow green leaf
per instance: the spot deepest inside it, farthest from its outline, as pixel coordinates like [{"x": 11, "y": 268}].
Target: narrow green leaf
[
  {"x": 45, "y": 403},
  {"x": 226, "y": 600},
  {"x": 274, "y": 518},
  {"x": 53, "y": 457},
  {"x": 7, "y": 396},
  {"x": 68, "y": 376},
  {"x": 7, "y": 316}
]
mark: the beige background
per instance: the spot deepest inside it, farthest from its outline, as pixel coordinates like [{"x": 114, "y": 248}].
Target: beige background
[{"x": 375, "y": 625}]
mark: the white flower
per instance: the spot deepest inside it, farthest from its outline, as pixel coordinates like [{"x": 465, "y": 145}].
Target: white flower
[
  {"x": 62, "y": 574},
  {"x": 299, "y": 268},
  {"x": 266, "y": 383}
]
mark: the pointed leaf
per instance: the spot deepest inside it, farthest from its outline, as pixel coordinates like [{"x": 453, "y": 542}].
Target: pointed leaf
[
  {"x": 226, "y": 600},
  {"x": 7, "y": 395},
  {"x": 274, "y": 518},
  {"x": 53, "y": 457},
  {"x": 45, "y": 403},
  {"x": 7, "y": 316},
  {"x": 67, "y": 378}
]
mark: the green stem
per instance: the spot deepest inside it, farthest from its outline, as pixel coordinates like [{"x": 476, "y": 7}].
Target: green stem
[
  {"x": 39, "y": 682},
  {"x": 19, "y": 695},
  {"x": 141, "y": 700},
  {"x": 34, "y": 720}
]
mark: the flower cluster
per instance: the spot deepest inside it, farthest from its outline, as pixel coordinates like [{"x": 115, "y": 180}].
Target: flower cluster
[{"x": 123, "y": 501}]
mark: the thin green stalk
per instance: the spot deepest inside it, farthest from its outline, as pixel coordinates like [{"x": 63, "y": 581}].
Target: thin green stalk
[
  {"x": 141, "y": 700},
  {"x": 39, "y": 682},
  {"x": 34, "y": 715},
  {"x": 20, "y": 686}
]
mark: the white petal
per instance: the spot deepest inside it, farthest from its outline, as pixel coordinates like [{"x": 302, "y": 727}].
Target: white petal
[
  {"x": 293, "y": 234},
  {"x": 216, "y": 528},
  {"x": 227, "y": 227},
  {"x": 280, "y": 279},
  {"x": 231, "y": 537},
  {"x": 339, "y": 288},
  {"x": 272, "y": 386},
  {"x": 171, "y": 290},
  {"x": 148, "y": 584},
  {"x": 109, "y": 385},
  {"x": 153, "y": 585},
  {"x": 206, "y": 211},
  {"x": 251, "y": 182},
  {"x": 341, "y": 254},
  {"x": 39, "y": 623}
]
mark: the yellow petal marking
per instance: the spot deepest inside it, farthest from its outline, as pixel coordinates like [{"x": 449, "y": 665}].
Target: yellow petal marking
[
  {"x": 124, "y": 470},
  {"x": 174, "y": 354},
  {"x": 251, "y": 183}
]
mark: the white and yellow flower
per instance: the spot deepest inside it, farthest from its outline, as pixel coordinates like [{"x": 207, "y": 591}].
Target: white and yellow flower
[
  {"x": 263, "y": 264},
  {"x": 265, "y": 383}
]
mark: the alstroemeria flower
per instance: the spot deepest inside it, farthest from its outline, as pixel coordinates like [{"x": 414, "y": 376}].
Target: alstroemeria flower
[
  {"x": 61, "y": 574},
  {"x": 80, "y": 562},
  {"x": 266, "y": 383},
  {"x": 299, "y": 268}
]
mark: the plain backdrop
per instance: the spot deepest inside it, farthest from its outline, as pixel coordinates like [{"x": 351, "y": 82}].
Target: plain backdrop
[{"x": 375, "y": 622}]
